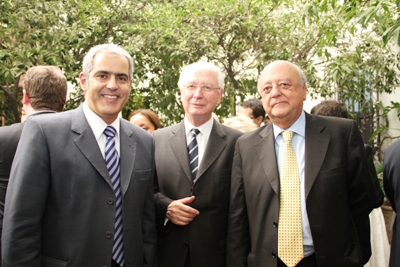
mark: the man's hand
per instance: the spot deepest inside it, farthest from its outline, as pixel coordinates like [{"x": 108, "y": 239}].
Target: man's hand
[{"x": 179, "y": 213}]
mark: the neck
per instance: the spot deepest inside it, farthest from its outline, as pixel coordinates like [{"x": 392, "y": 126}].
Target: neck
[{"x": 197, "y": 121}]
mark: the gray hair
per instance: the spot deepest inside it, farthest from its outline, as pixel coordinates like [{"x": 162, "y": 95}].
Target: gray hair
[
  {"x": 302, "y": 76},
  {"x": 87, "y": 64},
  {"x": 201, "y": 65}
]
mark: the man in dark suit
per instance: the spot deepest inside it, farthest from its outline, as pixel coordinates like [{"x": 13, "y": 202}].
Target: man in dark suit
[
  {"x": 44, "y": 91},
  {"x": 192, "y": 201},
  {"x": 391, "y": 182},
  {"x": 335, "y": 192},
  {"x": 67, "y": 206}
]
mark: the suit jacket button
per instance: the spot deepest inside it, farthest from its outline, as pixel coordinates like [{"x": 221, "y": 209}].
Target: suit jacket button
[
  {"x": 275, "y": 225},
  {"x": 108, "y": 234},
  {"x": 273, "y": 255},
  {"x": 110, "y": 201},
  {"x": 185, "y": 245}
]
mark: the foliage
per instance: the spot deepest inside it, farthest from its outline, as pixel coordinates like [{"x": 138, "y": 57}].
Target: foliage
[
  {"x": 53, "y": 33},
  {"x": 386, "y": 15},
  {"x": 338, "y": 55}
]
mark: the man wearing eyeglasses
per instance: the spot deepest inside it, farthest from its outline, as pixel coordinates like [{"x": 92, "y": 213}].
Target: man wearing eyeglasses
[{"x": 193, "y": 162}]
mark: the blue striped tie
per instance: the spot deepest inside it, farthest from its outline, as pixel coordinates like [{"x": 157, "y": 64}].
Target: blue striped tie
[
  {"x": 112, "y": 162},
  {"x": 193, "y": 153}
]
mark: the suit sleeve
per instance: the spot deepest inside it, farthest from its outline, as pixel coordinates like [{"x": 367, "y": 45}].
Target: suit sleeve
[
  {"x": 391, "y": 172},
  {"x": 26, "y": 199},
  {"x": 360, "y": 190},
  {"x": 238, "y": 239},
  {"x": 361, "y": 193},
  {"x": 149, "y": 229},
  {"x": 377, "y": 188}
]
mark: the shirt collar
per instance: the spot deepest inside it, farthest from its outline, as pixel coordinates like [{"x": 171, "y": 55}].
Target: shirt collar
[
  {"x": 298, "y": 127},
  {"x": 204, "y": 129},
  {"x": 96, "y": 123}
]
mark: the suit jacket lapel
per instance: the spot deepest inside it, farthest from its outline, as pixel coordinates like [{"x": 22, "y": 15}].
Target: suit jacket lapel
[
  {"x": 316, "y": 147},
  {"x": 177, "y": 141},
  {"x": 128, "y": 155},
  {"x": 265, "y": 148},
  {"x": 216, "y": 143},
  {"x": 87, "y": 143}
]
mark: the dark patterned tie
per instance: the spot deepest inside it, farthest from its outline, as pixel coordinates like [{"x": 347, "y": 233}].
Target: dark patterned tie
[
  {"x": 112, "y": 162},
  {"x": 193, "y": 153}
]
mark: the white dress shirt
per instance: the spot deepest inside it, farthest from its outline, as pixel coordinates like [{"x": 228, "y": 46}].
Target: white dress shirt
[{"x": 98, "y": 126}]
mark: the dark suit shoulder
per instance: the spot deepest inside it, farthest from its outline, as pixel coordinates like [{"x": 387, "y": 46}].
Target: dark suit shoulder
[
  {"x": 254, "y": 135},
  {"x": 168, "y": 130},
  {"x": 230, "y": 131},
  {"x": 137, "y": 131},
  {"x": 328, "y": 121},
  {"x": 11, "y": 131},
  {"x": 393, "y": 148}
]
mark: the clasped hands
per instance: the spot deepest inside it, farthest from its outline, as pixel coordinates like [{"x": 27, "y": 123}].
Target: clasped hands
[{"x": 179, "y": 213}]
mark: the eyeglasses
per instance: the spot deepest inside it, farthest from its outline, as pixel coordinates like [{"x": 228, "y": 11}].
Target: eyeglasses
[{"x": 205, "y": 88}]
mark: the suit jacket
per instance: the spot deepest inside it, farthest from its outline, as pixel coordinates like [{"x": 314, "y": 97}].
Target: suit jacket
[
  {"x": 205, "y": 236},
  {"x": 60, "y": 203},
  {"x": 377, "y": 187},
  {"x": 338, "y": 188},
  {"x": 391, "y": 182},
  {"x": 9, "y": 138}
]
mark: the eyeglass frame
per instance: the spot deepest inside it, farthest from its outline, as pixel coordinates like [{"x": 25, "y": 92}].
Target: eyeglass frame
[{"x": 204, "y": 88}]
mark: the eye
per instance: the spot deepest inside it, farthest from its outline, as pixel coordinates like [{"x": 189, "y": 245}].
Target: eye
[
  {"x": 123, "y": 78},
  {"x": 191, "y": 87},
  {"x": 266, "y": 89},
  {"x": 285, "y": 85}
]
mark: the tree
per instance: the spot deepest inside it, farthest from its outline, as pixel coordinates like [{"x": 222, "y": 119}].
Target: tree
[
  {"x": 339, "y": 56},
  {"x": 54, "y": 33}
]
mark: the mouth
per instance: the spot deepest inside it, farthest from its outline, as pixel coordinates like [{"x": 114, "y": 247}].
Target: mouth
[{"x": 110, "y": 96}]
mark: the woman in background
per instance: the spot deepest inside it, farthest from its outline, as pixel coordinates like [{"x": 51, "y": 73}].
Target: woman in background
[{"x": 146, "y": 119}]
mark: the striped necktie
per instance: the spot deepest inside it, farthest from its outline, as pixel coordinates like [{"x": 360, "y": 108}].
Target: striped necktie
[
  {"x": 193, "y": 151},
  {"x": 290, "y": 239},
  {"x": 112, "y": 162}
]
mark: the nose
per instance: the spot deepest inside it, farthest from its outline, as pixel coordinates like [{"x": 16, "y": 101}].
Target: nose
[
  {"x": 112, "y": 83},
  {"x": 275, "y": 91},
  {"x": 198, "y": 93}
]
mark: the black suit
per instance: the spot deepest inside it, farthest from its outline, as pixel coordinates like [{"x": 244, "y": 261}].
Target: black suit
[
  {"x": 9, "y": 138},
  {"x": 338, "y": 187},
  {"x": 391, "y": 182}
]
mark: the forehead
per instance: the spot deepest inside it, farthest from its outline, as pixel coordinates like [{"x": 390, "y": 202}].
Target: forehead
[
  {"x": 111, "y": 62},
  {"x": 205, "y": 76},
  {"x": 282, "y": 71}
]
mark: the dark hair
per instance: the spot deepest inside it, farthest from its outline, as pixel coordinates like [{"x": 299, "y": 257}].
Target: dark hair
[
  {"x": 46, "y": 87},
  {"x": 256, "y": 106},
  {"x": 150, "y": 115},
  {"x": 331, "y": 108}
]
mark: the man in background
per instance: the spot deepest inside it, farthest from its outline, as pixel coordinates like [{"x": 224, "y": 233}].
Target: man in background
[
  {"x": 253, "y": 109},
  {"x": 193, "y": 162},
  {"x": 44, "y": 91},
  {"x": 81, "y": 185}
]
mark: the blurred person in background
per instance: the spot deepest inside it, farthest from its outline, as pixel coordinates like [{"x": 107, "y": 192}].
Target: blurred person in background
[{"x": 145, "y": 119}]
